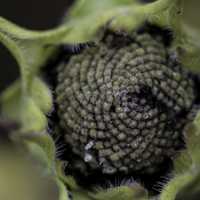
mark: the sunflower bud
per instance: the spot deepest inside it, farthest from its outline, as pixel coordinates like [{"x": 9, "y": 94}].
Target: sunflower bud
[{"x": 123, "y": 104}]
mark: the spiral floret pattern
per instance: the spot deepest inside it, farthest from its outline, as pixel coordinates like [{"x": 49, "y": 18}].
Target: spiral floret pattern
[{"x": 123, "y": 104}]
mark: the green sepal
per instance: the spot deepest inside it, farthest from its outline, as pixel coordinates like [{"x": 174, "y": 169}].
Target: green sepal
[
  {"x": 170, "y": 191},
  {"x": 42, "y": 147},
  {"x": 29, "y": 99},
  {"x": 44, "y": 141},
  {"x": 182, "y": 163},
  {"x": 134, "y": 192},
  {"x": 188, "y": 38},
  {"x": 63, "y": 194},
  {"x": 28, "y": 110},
  {"x": 41, "y": 95},
  {"x": 187, "y": 164},
  {"x": 88, "y": 16},
  {"x": 23, "y": 109},
  {"x": 190, "y": 191}
]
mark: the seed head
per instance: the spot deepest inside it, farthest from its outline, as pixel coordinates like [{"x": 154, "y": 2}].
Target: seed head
[{"x": 123, "y": 104}]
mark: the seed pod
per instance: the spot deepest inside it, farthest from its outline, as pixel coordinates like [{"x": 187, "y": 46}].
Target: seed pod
[{"x": 123, "y": 104}]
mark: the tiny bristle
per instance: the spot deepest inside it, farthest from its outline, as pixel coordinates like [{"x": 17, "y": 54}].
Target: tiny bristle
[
  {"x": 117, "y": 182},
  {"x": 76, "y": 48},
  {"x": 162, "y": 183}
]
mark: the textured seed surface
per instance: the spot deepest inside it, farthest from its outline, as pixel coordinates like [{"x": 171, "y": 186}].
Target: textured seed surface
[{"x": 123, "y": 104}]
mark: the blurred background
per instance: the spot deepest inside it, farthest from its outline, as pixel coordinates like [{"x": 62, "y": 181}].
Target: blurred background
[{"x": 32, "y": 14}]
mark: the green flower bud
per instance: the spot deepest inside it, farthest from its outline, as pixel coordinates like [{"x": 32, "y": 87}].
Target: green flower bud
[{"x": 123, "y": 104}]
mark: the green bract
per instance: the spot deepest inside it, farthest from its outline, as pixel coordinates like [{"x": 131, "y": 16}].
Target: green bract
[{"x": 29, "y": 100}]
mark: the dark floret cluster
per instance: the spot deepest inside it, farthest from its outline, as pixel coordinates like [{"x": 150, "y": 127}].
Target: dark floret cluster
[{"x": 123, "y": 104}]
